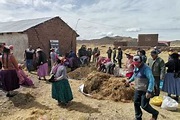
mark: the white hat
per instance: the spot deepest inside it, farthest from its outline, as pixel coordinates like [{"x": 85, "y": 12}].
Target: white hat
[{"x": 39, "y": 49}]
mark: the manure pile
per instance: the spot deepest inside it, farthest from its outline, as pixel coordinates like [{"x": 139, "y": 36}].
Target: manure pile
[{"x": 104, "y": 86}]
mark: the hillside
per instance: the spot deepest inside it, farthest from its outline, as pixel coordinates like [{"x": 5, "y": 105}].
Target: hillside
[
  {"x": 175, "y": 43},
  {"x": 110, "y": 40},
  {"x": 106, "y": 40}
]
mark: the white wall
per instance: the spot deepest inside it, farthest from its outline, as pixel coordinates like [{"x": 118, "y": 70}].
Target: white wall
[{"x": 19, "y": 41}]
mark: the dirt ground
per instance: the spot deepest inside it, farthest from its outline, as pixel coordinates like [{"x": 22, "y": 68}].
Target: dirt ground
[{"x": 36, "y": 104}]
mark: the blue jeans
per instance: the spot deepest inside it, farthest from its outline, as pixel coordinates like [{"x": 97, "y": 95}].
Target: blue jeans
[
  {"x": 141, "y": 100},
  {"x": 29, "y": 64}
]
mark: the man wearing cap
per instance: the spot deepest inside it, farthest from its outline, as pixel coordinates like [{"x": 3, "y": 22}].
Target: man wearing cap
[
  {"x": 157, "y": 66},
  {"x": 144, "y": 85}
]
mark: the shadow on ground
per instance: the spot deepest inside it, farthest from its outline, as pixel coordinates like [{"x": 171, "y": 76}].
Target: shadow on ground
[
  {"x": 26, "y": 101},
  {"x": 78, "y": 106}
]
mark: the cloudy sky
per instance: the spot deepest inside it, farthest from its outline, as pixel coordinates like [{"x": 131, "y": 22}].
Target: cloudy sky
[{"x": 99, "y": 18}]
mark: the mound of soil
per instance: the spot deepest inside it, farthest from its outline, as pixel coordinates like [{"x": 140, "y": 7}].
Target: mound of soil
[{"x": 104, "y": 86}]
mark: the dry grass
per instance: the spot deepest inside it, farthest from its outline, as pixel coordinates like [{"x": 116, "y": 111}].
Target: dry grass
[{"x": 104, "y": 86}]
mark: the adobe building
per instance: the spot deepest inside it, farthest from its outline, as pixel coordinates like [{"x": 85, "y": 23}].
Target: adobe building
[
  {"x": 148, "y": 40},
  {"x": 39, "y": 32},
  {"x": 120, "y": 43}
]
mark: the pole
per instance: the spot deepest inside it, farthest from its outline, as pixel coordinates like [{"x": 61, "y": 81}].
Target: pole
[{"x": 73, "y": 33}]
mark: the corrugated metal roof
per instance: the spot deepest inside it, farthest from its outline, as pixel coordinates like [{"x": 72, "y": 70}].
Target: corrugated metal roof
[{"x": 20, "y": 26}]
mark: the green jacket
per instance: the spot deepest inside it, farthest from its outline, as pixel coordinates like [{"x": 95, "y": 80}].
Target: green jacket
[{"x": 157, "y": 66}]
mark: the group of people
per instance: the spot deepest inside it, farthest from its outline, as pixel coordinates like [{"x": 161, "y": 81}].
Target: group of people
[
  {"x": 12, "y": 74},
  {"x": 146, "y": 73},
  {"x": 147, "y": 78},
  {"x": 116, "y": 55}
]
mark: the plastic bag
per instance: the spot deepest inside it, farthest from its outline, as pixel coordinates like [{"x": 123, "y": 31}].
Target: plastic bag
[
  {"x": 157, "y": 100},
  {"x": 122, "y": 73},
  {"x": 81, "y": 90},
  {"x": 116, "y": 71},
  {"x": 169, "y": 103}
]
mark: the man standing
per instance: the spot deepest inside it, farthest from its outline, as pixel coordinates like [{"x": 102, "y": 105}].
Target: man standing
[
  {"x": 28, "y": 57},
  {"x": 114, "y": 55},
  {"x": 120, "y": 56},
  {"x": 144, "y": 85},
  {"x": 157, "y": 66},
  {"x": 109, "y": 53}
]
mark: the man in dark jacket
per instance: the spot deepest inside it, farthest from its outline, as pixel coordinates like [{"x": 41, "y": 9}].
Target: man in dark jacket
[
  {"x": 120, "y": 56},
  {"x": 114, "y": 55},
  {"x": 157, "y": 66},
  {"x": 109, "y": 53}
]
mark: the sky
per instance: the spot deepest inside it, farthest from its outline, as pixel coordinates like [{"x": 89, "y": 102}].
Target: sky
[{"x": 99, "y": 18}]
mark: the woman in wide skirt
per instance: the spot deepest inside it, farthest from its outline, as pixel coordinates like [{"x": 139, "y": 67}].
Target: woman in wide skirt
[
  {"x": 8, "y": 74},
  {"x": 61, "y": 90},
  {"x": 42, "y": 64},
  {"x": 171, "y": 83}
]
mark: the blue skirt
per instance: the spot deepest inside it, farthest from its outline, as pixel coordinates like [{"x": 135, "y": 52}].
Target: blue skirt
[
  {"x": 171, "y": 85},
  {"x": 61, "y": 91}
]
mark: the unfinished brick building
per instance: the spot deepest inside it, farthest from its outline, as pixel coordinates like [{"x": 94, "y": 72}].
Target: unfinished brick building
[
  {"x": 38, "y": 33},
  {"x": 148, "y": 40}
]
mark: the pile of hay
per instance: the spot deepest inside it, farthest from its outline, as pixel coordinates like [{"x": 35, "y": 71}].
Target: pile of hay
[
  {"x": 81, "y": 72},
  {"x": 94, "y": 82},
  {"x": 104, "y": 86}
]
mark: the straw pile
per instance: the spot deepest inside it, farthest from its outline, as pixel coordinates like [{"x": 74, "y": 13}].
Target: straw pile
[
  {"x": 81, "y": 72},
  {"x": 94, "y": 82},
  {"x": 104, "y": 86}
]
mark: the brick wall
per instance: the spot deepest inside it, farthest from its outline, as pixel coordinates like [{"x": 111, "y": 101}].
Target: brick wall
[
  {"x": 148, "y": 40},
  {"x": 120, "y": 43},
  {"x": 54, "y": 29}
]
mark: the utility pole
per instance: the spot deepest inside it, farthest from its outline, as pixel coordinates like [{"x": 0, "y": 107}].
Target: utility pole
[{"x": 74, "y": 32}]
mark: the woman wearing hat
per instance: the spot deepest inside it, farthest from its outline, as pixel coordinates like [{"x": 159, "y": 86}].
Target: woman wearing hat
[
  {"x": 61, "y": 90},
  {"x": 8, "y": 74},
  {"x": 129, "y": 66},
  {"x": 42, "y": 64},
  {"x": 171, "y": 81}
]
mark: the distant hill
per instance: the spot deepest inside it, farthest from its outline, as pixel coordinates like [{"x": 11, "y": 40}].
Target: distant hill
[
  {"x": 175, "y": 43},
  {"x": 106, "y": 40},
  {"x": 111, "y": 40}
]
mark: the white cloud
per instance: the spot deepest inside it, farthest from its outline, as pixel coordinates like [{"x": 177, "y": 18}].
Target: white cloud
[
  {"x": 133, "y": 29},
  {"x": 3, "y": 1},
  {"x": 68, "y": 6},
  {"x": 110, "y": 34},
  {"x": 109, "y": 17}
]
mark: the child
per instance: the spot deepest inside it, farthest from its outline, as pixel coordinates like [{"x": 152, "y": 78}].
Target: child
[{"x": 23, "y": 78}]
